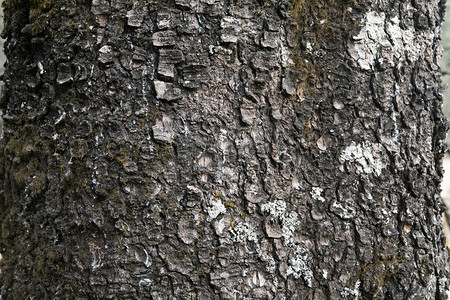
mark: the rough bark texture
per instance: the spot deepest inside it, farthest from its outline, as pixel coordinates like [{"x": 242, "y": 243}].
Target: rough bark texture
[{"x": 209, "y": 149}]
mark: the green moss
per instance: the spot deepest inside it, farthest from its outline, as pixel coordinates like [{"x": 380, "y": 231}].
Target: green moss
[
  {"x": 42, "y": 20},
  {"x": 321, "y": 25},
  {"x": 383, "y": 269},
  {"x": 14, "y": 4},
  {"x": 7, "y": 225},
  {"x": 43, "y": 4},
  {"x": 166, "y": 151},
  {"x": 78, "y": 148},
  {"x": 230, "y": 205},
  {"x": 41, "y": 13}
]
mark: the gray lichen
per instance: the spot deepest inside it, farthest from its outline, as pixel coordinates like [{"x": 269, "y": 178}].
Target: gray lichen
[
  {"x": 297, "y": 264},
  {"x": 352, "y": 292},
  {"x": 366, "y": 157}
]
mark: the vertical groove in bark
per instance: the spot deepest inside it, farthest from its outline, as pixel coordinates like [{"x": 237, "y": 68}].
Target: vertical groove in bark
[{"x": 201, "y": 149}]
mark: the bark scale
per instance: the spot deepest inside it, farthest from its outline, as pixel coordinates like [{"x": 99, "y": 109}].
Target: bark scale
[{"x": 204, "y": 149}]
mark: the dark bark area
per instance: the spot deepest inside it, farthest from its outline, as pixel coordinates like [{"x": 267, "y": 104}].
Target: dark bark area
[{"x": 205, "y": 149}]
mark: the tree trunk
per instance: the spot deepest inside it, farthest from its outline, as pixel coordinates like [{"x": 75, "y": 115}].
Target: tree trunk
[{"x": 222, "y": 149}]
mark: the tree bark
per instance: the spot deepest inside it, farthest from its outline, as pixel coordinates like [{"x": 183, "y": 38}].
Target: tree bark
[{"x": 222, "y": 149}]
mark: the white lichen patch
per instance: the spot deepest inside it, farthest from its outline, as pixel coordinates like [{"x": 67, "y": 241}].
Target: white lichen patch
[
  {"x": 298, "y": 266},
  {"x": 382, "y": 40},
  {"x": 271, "y": 265},
  {"x": 345, "y": 212},
  {"x": 443, "y": 284},
  {"x": 316, "y": 194},
  {"x": 276, "y": 209},
  {"x": 369, "y": 40},
  {"x": 215, "y": 208},
  {"x": 366, "y": 157},
  {"x": 288, "y": 226},
  {"x": 245, "y": 232},
  {"x": 220, "y": 225},
  {"x": 352, "y": 292}
]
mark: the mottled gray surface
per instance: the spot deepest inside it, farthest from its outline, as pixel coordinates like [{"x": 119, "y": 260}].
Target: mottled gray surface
[{"x": 203, "y": 149}]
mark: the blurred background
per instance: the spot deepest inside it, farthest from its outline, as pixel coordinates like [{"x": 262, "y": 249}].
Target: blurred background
[{"x": 445, "y": 66}]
